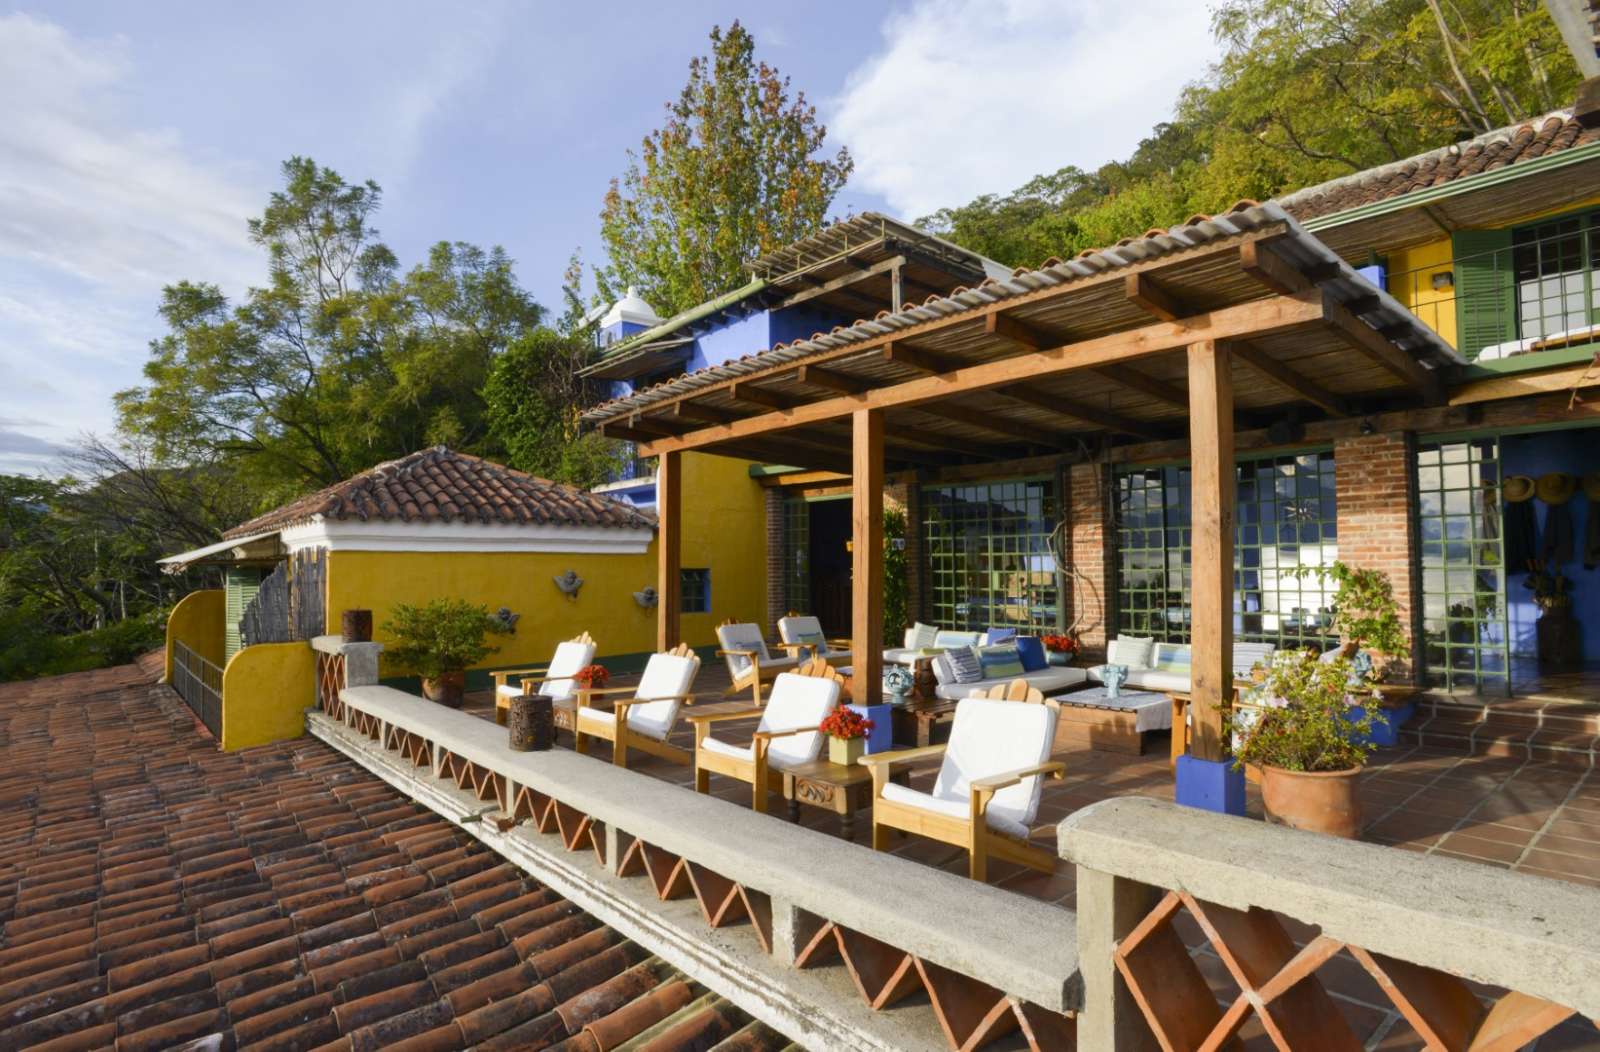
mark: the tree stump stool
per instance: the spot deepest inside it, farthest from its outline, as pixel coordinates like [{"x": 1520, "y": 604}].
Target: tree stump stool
[{"x": 531, "y": 723}]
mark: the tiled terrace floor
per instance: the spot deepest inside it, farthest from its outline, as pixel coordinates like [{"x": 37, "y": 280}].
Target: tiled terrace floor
[{"x": 156, "y": 893}]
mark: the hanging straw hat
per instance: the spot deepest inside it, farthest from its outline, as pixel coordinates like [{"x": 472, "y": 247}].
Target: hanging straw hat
[
  {"x": 1555, "y": 488},
  {"x": 1517, "y": 488},
  {"x": 1591, "y": 485}
]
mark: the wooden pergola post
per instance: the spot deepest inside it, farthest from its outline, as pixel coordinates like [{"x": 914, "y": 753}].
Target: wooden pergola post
[
  {"x": 1211, "y": 513},
  {"x": 669, "y": 549},
  {"x": 866, "y": 556}
]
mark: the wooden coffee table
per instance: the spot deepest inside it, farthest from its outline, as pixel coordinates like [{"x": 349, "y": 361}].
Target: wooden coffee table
[
  {"x": 914, "y": 722},
  {"x": 843, "y": 789}
]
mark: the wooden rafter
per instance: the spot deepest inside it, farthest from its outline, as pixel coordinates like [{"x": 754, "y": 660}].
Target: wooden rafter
[
  {"x": 1073, "y": 409},
  {"x": 627, "y": 434},
  {"x": 707, "y": 414},
  {"x": 1143, "y": 292},
  {"x": 1145, "y": 384},
  {"x": 1258, "y": 260},
  {"x": 916, "y": 358},
  {"x": 1343, "y": 320},
  {"x": 831, "y": 380},
  {"x": 747, "y": 392},
  {"x": 949, "y": 443},
  {"x": 999, "y": 425},
  {"x": 823, "y": 287},
  {"x": 657, "y": 425},
  {"x": 1256, "y": 318},
  {"x": 1287, "y": 378}
]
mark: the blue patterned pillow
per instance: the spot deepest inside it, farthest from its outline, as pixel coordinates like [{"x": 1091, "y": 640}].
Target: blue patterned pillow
[
  {"x": 1000, "y": 662},
  {"x": 965, "y": 664}
]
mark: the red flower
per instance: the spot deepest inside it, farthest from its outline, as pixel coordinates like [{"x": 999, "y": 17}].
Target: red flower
[
  {"x": 592, "y": 676},
  {"x": 1061, "y": 644},
  {"x": 845, "y": 723}
]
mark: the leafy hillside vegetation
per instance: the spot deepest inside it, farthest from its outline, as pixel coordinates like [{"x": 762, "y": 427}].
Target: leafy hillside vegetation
[{"x": 1307, "y": 90}]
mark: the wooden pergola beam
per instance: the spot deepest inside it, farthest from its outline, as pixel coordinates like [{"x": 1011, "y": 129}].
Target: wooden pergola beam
[
  {"x": 1142, "y": 382},
  {"x": 916, "y": 358},
  {"x": 625, "y": 433},
  {"x": 831, "y": 380},
  {"x": 706, "y": 414},
  {"x": 1358, "y": 334},
  {"x": 1143, "y": 292},
  {"x": 999, "y": 425},
  {"x": 1258, "y": 260},
  {"x": 820, "y": 287},
  {"x": 1256, "y": 318},
  {"x": 1287, "y": 378},
  {"x": 950, "y": 443},
  {"x": 745, "y": 392},
  {"x": 657, "y": 426},
  {"x": 1073, "y": 409}
]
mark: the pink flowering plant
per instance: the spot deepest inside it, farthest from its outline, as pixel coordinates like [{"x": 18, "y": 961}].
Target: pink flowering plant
[{"x": 1299, "y": 715}]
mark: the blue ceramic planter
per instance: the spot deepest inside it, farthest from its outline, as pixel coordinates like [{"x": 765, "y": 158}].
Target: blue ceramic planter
[{"x": 1386, "y": 723}]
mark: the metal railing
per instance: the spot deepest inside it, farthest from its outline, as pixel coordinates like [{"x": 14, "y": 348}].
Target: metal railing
[
  {"x": 1539, "y": 293},
  {"x": 199, "y": 683}
]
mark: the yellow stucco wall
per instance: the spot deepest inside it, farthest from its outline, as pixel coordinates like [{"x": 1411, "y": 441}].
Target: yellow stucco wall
[
  {"x": 197, "y": 620},
  {"x": 266, "y": 689},
  {"x": 1411, "y": 270},
  {"x": 724, "y": 530}
]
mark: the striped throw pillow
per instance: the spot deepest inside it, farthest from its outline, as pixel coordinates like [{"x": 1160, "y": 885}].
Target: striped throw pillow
[
  {"x": 965, "y": 664},
  {"x": 1000, "y": 662}
]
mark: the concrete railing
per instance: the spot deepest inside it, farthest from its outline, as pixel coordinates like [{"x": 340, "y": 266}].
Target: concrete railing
[
  {"x": 1421, "y": 927},
  {"x": 837, "y": 934}
]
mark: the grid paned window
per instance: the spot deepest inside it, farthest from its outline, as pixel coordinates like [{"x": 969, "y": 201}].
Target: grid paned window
[
  {"x": 797, "y": 553},
  {"x": 1555, "y": 266},
  {"x": 1463, "y": 566},
  {"x": 1285, "y": 517},
  {"x": 695, "y": 591},
  {"x": 987, "y": 548}
]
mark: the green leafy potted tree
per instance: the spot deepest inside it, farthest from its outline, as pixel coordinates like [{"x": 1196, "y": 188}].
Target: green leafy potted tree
[
  {"x": 1306, "y": 724},
  {"x": 1364, "y": 614},
  {"x": 439, "y": 642}
]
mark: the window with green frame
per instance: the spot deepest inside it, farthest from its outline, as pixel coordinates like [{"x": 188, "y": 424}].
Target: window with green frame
[
  {"x": 1518, "y": 286},
  {"x": 1285, "y": 517},
  {"x": 989, "y": 563},
  {"x": 1462, "y": 557},
  {"x": 797, "y": 553}
]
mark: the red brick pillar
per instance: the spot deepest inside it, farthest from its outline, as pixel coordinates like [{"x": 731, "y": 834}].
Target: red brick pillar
[
  {"x": 908, "y": 496},
  {"x": 1377, "y": 498},
  {"x": 777, "y": 579},
  {"x": 1090, "y": 573}
]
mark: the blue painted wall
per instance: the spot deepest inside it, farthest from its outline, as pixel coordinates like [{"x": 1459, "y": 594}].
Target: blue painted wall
[{"x": 1576, "y": 453}]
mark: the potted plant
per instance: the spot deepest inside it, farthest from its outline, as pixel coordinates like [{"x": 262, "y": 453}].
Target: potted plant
[
  {"x": 1365, "y": 616},
  {"x": 592, "y": 677},
  {"x": 847, "y": 734},
  {"x": 1306, "y": 725},
  {"x": 1060, "y": 650},
  {"x": 439, "y": 642}
]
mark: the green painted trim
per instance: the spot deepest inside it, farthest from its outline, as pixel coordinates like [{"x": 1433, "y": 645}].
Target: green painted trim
[
  {"x": 1526, "y": 363},
  {"x": 682, "y": 318},
  {"x": 1457, "y": 187}
]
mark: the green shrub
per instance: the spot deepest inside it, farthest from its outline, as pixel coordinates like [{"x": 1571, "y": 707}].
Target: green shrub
[
  {"x": 446, "y": 635},
  {"x": 29, "y": 652},
  {"x": 1297, "y": 717}
]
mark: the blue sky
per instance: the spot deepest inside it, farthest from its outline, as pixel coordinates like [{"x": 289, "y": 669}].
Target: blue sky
[{"x": 139, "y": 137}]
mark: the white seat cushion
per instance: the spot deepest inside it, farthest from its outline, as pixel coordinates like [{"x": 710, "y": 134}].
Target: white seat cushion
[
  {"x": 509, "y": 690},
  {"x": 1046, "y": 680},
  {"x": 1146, "y": 679},
  {"x": 570, "y": 657},
  {"x": 949, "y": 639},
  {"x": 667, "y": 677},
  {"x": 745, "y": 636},
  {"x": 1132, "y": 651},
  {"x": 806, "y": 630},
  {"x": 795, "y": 702},
  {"x": 991, "y": 738},
  {"x": 961, "y": 809}
]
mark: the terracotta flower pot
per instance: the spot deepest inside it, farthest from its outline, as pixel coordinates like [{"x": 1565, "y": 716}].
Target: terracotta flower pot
[
  {"x": 846, "y": 750},
  {"x": 1317, "y": 801},
  {"x": 447, "y": 689}
]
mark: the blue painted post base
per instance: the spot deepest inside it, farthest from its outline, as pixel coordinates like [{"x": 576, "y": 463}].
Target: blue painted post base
[
  {"x": 1211, "y": 785},
  {"x": 881, "y": 737}
]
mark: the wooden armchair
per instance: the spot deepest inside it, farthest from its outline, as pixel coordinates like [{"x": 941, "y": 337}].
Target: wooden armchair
[
  {"x": 750, "y": 664},
  {"x": 555, "y": 678},
  {"x": 641, "y": 717},
  {"x": 987, "y": 790},
  {"x": 786, "y": 736},
  {"x": 802, "y": 636}
]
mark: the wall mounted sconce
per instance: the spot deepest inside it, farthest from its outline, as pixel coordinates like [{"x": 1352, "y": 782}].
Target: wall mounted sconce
[{"x": 1444, "y": 279}]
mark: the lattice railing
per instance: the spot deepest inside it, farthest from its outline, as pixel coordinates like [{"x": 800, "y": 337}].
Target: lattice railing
[
  {"x": 969, "y": 1012},
  {"x": 1465, "y": 956},
  {"x": 330, "y": 681},
  {"x": 199, "y": 683}
]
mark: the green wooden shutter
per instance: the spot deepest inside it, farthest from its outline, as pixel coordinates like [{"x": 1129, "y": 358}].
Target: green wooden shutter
[
  {"x": 1486, "y": 305},
  {"x": 241, "y": 586}
]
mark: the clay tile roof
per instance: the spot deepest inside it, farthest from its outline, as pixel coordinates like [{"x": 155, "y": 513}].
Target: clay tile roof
[
  {"x": 1551, "y": 133},
  {"x": 441, "y": 485},
  {"x": 158, "y": 893}
]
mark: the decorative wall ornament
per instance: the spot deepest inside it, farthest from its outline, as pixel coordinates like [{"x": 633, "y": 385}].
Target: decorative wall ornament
[
  {"x": 507, "y": 619},
  {"x": 569, "y": 583},
  {"x": 647, "y": 597}
]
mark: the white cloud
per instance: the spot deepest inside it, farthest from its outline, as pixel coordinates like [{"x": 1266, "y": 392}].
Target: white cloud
[
  {"x": 95, "y": 216},
  {"x": 968, "y": 97}
]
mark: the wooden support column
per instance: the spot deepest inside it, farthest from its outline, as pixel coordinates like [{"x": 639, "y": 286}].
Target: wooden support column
[
  {"x": 896, "y": 289},
  {"x": 866, "y": 556},
  {"x": 1211, "y": 501},
  {"x": 669, "y": 549}
]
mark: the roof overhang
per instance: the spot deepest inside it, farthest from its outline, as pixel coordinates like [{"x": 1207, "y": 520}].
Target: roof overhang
[
  {"x": 1091, "y": 349},
  {"x": 341, "y": 535},
  {"x": 253, "y": 547}
]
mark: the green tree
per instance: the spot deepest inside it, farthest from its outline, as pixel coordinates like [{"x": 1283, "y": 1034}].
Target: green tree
[
  {"x": 736, "y": 170},
  {"x": 339, "y": 361}
]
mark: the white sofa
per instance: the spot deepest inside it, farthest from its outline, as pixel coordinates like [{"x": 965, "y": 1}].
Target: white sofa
[
  {"x": 1051, "y": 680},
  {"x": 1168, "y": 669},
  {"x": 944, "y": 639}
]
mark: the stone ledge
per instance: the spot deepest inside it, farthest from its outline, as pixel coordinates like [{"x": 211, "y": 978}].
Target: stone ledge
[{"x": 1515, "y": 930}]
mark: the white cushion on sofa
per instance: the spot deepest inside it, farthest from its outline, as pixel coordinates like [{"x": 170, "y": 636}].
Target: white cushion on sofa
[
  {"x": 1047, "y": 680},
  {"x": 1132, "y": 651}
]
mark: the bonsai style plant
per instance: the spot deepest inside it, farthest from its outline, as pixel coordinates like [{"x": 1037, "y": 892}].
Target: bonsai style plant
[
  {"x": 1306, "y": 724},
  {"x": 1365, "y": 615},
  {"x": 439, "y": 642},
  {"x": 847, "y": 734}
]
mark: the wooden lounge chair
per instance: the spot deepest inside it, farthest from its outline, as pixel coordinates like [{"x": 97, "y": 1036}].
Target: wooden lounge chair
[
  {"x": 643, "y": 720},
  {"x": 786, "y": 736},
  {"x": 555, "y": 679},
  {"x": 803, "y": 637},
  {"x": 750, "y": 664},
  {"x": 987, "y": 790}
]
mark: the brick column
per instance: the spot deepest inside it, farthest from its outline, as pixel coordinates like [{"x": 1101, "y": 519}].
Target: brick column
[
  {"x": 915, "y": 567},
  {"x": 1377, "y": 499},
  {"x": 777, "y": 579},
  {"x": 1089, "y": 557}
]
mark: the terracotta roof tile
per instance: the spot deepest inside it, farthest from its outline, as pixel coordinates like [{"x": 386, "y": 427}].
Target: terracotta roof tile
[
  {"x": 275, "y": 898},
  {"x": 441, "y": 485}
]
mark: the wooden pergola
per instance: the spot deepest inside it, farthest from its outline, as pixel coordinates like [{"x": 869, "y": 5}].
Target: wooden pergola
[{"x": 1227, "y": 321}]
